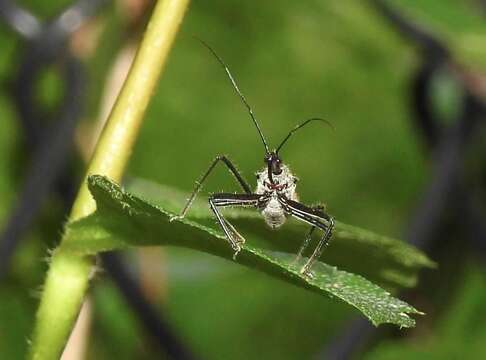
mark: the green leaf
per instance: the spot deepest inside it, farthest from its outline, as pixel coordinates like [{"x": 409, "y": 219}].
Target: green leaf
[
  {"x": 123, "y": 220},
  {"x": 386, "y": 261}
]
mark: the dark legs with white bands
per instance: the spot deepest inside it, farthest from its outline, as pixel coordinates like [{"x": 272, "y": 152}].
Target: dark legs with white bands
[
  {"x": 220, "y": 200},
  {"x": 220, "y": 158},
  {"x": 304, "y": 246},
  {"x": 317, "y": 218},
  {"x": 225, "y": 199}
]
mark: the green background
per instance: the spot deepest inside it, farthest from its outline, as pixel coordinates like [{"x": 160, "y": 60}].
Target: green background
[{"x": 293, "y": 60}]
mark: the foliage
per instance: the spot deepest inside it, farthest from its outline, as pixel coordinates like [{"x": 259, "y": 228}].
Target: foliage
[{"x": 124, "y": 220}]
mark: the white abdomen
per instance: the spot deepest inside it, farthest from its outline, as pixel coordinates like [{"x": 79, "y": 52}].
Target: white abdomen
[{"x": 274, "y": 214}]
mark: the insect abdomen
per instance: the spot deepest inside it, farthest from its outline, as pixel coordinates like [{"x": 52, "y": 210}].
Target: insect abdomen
[{"x": 274, "y": 214}]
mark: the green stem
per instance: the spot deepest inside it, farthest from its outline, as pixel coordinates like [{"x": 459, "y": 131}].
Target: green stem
[{"x": 68, "y": 275}]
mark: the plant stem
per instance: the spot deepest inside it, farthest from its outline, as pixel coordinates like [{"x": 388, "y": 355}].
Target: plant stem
[{"x": 68, "y": 275}]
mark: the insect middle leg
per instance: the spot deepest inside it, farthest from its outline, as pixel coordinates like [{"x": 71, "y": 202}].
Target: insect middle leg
[
  {"x": 317, "y": 218},
  {"x": 199, "y": 183},
  {"x": 227, "y": 199}
]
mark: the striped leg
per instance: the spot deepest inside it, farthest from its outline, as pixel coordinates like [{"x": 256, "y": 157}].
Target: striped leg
[
  {"x": 315, "y": 217},
  {"x": 220, "y": 158},
  {"x": 225, "y": 199}
]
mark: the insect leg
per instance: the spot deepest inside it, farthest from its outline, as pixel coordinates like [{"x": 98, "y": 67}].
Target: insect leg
[
  {"x": 200, "y": 182},
  {"x": 319, "y": 248},
  {"x": 307, "y": 239},
  {"x": 313, "y": 216},
  {"x": 226, "y": 199},
  {"x": 304, "y": 245}
]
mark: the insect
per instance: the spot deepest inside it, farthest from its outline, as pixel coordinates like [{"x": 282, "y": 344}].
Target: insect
[{"x": 275, "y": 195}]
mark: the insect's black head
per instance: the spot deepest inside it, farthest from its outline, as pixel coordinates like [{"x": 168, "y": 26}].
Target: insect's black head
[{"x": 274, "y": 164}]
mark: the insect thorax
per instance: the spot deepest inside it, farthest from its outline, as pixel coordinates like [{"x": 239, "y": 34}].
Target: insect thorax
[{"x": 284, "y": 184}]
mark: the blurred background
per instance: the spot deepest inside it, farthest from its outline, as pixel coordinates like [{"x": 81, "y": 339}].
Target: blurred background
[{"x": 402, "y": 82}]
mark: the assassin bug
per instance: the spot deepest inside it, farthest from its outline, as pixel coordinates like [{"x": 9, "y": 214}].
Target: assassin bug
[{"x": 275, "y": 196}]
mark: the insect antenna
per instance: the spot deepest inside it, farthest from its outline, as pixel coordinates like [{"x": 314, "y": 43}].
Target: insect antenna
[
  {"x": 299, "y": 127},
  {"x": 235, "y": 86}
]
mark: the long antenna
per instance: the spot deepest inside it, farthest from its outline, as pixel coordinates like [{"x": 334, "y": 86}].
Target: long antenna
[
  {"x": 235, "y": 86},
  {"x": 301, "y": 126}
]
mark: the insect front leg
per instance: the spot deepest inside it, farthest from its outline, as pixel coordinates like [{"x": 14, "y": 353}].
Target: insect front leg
[
  {"x": 227, "y": 199},
  {"x": 326, "y": 237},
  {"x": 315, "y": 217},
  {"x": 307, "y": 239},
  {"x": 304, "y": 245},
  {"x": 199, "y": 183}
]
